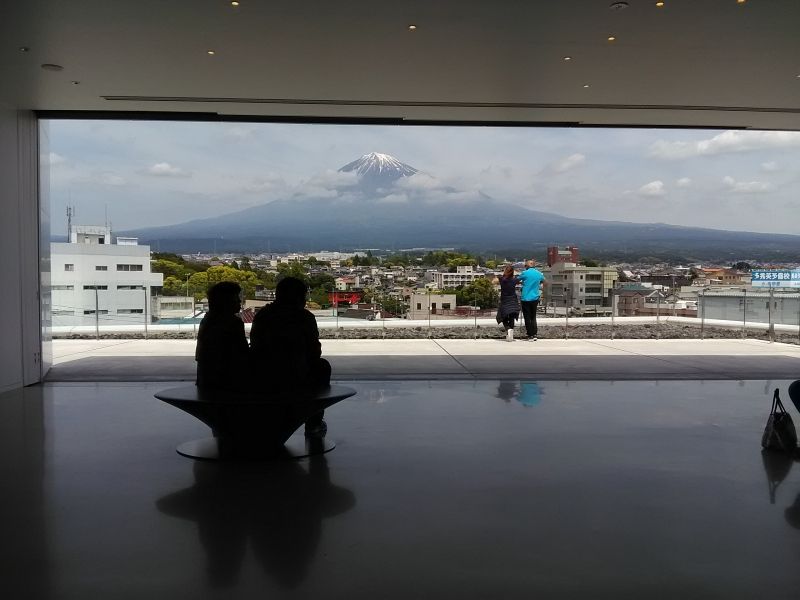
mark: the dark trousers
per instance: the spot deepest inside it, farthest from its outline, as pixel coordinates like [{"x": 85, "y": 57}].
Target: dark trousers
[
  {"x": 529, "y": 309},
  {"x": 321, "y": 376},
  {"x": 508, "y": 320}
]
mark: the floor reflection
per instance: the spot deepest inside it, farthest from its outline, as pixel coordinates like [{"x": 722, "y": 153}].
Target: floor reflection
[
  {"x": 527, "y": 393},
  {"x": 276, "y": 506}
]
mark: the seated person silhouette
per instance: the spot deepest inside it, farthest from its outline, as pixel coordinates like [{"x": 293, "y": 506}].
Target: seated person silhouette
[
  {"x": 285, "y": 344},
  {"x": 222, "y": 354}
]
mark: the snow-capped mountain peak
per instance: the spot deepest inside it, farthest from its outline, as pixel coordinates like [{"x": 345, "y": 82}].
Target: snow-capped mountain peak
[{"x": 379, "y": 168}]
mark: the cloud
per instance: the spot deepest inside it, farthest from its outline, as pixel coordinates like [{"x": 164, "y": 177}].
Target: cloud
[
  {"x": 684, "y": 182},
  {"x": 770, "y": 166},
  {"x": 566, "y": 164},
  {"x": 54, "y": 159},
  {"x": 164, "y": 169},
  {"x": 239, "y": 132},
  {"x": 746, "y": 187},
  {"x": 393, "y": 199},
  {"x": 653, "y": 189},
  {"x": 268, "y": 183},
  {"x": 333, "y": 179},
  {"x": 104, "y": 178},
  {"x": 421, "y": 182},
  {"x": 724, "y": 143}
]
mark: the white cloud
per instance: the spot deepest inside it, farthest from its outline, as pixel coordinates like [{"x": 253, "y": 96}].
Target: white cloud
[
  {"x": 746, "y": 187},
  {"x": 104, "y": 178},
  {"x": 54, "y": 159},
  {"x": 332, "y": 179},
  {"x": 726, "y": 142},
  {"x": 268, "y": 183},
  {"x": 393, "y": 199},
  {"x": 568, "y": 163},
  {"x": 419, "y": 182},
  {"x": 684, "y": 182},
  {"x": 240, "y": 132},
  {"x": 770, "y": 166},
  {"x": 164, "y": 169},
  {"x": 654, "y": 188}
]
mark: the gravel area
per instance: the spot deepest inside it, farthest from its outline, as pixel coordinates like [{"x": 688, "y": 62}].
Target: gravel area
[{"x": 585, "y": 331}]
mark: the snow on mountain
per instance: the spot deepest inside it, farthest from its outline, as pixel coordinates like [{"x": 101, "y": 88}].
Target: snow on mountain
[{"x": 376, "y": 169}]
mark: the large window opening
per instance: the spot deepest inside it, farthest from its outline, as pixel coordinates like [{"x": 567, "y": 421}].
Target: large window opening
[{"x": 404, "y": 227}]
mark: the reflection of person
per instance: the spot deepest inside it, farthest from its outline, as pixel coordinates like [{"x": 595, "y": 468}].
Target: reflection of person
[
  {"x": 508, "y": 312},
  {"x": 506, "y": 390},
  {"x": 285, "y": 344},
  {"x": 278, "y": 507},
  {"x": 529, "y": 394},
  {"x": 532, "y": 281},
  {"x": 222, "y": 352}
]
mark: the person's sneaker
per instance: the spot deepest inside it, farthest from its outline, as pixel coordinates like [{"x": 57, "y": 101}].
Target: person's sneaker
[
  {"x": 533, "y": 339},
  {"x": 317, "y": 431}
]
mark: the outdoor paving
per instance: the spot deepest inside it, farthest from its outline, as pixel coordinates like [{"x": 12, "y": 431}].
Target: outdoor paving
[{"x": 173, "y": 360}]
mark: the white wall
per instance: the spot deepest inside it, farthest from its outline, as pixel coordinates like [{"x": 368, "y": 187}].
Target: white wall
[{"x": 19, "y": 254}]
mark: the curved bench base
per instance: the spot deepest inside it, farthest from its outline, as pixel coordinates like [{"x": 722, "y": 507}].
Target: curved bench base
[{"x": 298, "y": 446}]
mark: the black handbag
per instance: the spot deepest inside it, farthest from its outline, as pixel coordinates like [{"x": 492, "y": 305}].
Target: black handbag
[{"x": 779, "y": 434}]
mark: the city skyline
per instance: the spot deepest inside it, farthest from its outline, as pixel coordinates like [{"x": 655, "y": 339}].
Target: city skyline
[{"x": 144, "y": 173}]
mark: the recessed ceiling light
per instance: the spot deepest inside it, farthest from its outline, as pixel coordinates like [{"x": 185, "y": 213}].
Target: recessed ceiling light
[
  {"x": 618, "y": 6},
  {"x": 586, "y": 85},
  {"x": 24, "y": 49},
  {"x": 234, "y": 3},
  {"x": 659, "y": 4},
  {"x": 567, "y": 58},
  {"x": 412, "y": 27},
  {"x": 52, "y": 67},
  {"x": 740, "y": 1},
  {"x": 211, "y": 52},
  {"x": 612, "y": 38},
  {"x": 75, "y": 82}
]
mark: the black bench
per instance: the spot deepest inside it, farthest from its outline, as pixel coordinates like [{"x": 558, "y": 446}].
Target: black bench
[{"x": 250, "y": 426}]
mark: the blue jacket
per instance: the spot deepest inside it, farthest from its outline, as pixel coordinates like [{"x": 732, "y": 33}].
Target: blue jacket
[{"x": 531, "y": 278}]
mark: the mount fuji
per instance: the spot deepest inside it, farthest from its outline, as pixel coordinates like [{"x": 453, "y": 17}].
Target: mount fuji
[{"x": 377, "y": 201}]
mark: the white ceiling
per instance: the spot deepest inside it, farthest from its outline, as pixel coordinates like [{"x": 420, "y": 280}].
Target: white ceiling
[{"x": 691, "y": 63}]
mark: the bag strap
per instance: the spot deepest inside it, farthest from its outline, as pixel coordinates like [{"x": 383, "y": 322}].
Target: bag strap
[{"x": 777, "y": 405}]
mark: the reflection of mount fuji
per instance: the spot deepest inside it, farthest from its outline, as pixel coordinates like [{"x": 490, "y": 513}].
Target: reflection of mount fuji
[{"x": 379, "y": 202}]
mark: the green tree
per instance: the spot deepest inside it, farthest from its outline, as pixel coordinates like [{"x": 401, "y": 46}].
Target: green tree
[
  {"x": 170, "y": 268},
  {"x": 291, "y": 269},
  {"x": 480, "y": 292},
  {"x": 200, "y": 282}
]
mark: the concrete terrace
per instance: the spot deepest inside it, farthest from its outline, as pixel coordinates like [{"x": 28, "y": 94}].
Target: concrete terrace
[{"x": 376, "y": 359}]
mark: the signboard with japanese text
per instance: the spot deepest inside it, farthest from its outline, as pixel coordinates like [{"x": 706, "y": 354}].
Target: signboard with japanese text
[{"x": 776, "y": 278}]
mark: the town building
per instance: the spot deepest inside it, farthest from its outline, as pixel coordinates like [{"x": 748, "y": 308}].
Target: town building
[
  {"x": 579, "y": 288},
  {"x": 97, "y": 282},
  {"x": 556, "y": 255},
  {"x": 434, "y": 306},
  {"x": 444, "y": 280}
]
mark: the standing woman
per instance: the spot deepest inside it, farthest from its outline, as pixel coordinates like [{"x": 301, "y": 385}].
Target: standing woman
[{"x": 509, "y": 303}]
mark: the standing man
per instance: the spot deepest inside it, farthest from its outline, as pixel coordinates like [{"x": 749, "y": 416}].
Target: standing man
[{"x": 532, "y": 282}]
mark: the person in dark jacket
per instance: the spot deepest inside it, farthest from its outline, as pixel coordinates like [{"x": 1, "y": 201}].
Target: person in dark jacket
[
  {"x": 222, "y": 352},
  {"x": 508, "y": 312},
  {"x": 286, "y": 351}
]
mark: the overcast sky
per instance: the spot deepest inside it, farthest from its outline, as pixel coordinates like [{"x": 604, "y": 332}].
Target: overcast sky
[{"x": 154, "y": 173}]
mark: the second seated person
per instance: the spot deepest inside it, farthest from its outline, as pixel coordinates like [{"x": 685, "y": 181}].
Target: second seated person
[{"x": 286, "y": 351}]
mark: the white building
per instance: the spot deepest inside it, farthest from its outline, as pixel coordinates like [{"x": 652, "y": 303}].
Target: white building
[
  {"x": 585, "y": 289},
  {"x": 423, "y": 306},
  {"x": 462, "y": 276},
  {"x": 97, "y": 282}
]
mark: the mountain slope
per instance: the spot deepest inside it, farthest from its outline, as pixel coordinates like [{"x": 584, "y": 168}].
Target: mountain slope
[{"x": 393, "y": 205}]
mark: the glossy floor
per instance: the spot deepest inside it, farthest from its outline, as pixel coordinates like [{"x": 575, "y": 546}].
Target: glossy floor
[{"x": 446, "y": 489}]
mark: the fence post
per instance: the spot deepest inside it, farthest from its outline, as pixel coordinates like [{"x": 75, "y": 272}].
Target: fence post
[
  {"x": 96, "y": 314},
  {"x": 566, "y": 313},
  {"x": 658, "y": 315},
  {"x": 770, "y": 316},
  {"x": 144, "y": 287},
  {"x": 702, "y": 314},
  {"x": 744, "y": 313},
  {"x": 613, "y": 311}
]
